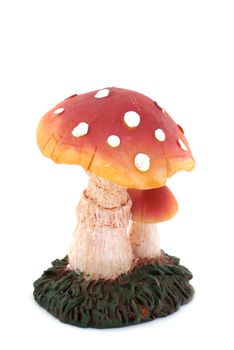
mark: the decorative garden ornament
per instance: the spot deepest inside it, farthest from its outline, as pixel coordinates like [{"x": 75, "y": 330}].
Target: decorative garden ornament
[{"x": 115, "y": 273}]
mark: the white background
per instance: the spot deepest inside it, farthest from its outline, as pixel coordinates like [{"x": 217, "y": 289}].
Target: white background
[{"x": 181, "y": 54}]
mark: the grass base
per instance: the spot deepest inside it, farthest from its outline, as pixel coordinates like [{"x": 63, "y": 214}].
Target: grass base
[{"x": 148, "y": 291}]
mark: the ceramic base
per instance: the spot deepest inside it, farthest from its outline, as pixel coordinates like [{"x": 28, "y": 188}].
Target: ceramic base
[{"x": 150, "y": 290}]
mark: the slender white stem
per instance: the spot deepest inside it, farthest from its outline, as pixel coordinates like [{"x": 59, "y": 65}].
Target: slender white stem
[
  {"x": 145, "y": 240},
  {"x": 100, "y": 247}
]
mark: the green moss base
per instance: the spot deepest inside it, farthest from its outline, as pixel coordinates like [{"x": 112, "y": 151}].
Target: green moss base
[{"x": 148, "y": 291}]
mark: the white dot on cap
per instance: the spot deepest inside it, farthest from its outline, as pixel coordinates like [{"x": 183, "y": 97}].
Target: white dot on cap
[
  {"x": 113, "y": 141},
  {"x": 132, "y": 119},
  {"x": 160, "y": 135},
  {"x": 142, "y": 162},
  {"x": 102, "y": 93},
  {"x": 80, "y": 130},
  {"x": 182, "y": 145},
  {"x": 59, "y": 111}
]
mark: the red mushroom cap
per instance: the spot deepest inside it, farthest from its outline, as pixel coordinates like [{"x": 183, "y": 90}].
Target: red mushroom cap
[
  {"x": 118, "y": 134},
  {"x": 155, "y": 205}
]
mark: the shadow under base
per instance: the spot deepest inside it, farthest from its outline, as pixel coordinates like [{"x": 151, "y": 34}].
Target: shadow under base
[{"x": 146, "y": 292}]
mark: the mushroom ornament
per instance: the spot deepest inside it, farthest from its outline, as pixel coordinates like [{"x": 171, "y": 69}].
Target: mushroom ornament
[{"x": 115, "y": 273}]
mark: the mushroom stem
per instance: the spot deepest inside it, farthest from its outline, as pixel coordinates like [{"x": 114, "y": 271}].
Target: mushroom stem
[
  {"x": 145, "y": 240},
  {"x": 100, "y": 247}
]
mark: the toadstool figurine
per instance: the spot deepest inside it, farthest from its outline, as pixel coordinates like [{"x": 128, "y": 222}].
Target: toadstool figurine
[{"x": 115, "y": 273}]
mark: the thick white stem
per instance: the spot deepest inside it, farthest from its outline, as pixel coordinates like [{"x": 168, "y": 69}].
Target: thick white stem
[
  {"x": 144, "y": 239},
  {"x": 100, "y": 247}
]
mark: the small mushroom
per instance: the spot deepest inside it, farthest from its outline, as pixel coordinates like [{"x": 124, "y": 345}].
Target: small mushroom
[
  {"x": 124, "y": 141},
  {"x": 148, "y": 208},
  {"x": 155, "y": 205}
]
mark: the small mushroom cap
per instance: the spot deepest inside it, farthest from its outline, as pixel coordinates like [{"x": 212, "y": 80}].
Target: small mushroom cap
[
  {"x": 120, "y": 135},
  {"x": 155, "y": 205}
]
